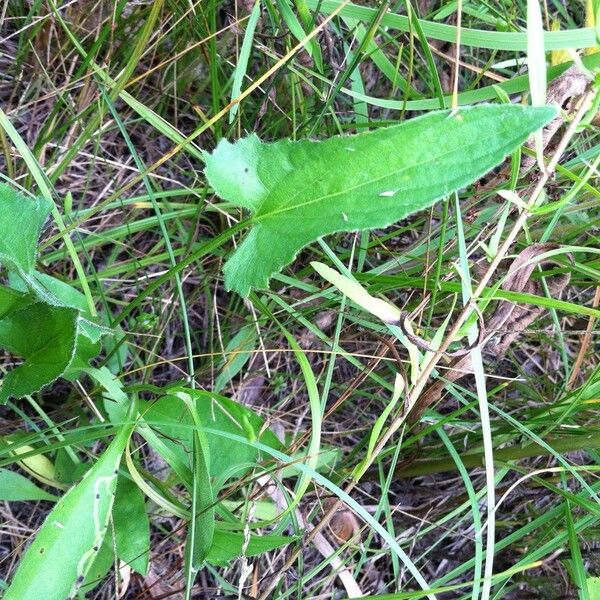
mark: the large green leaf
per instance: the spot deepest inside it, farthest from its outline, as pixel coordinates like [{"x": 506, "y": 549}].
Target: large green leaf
[
  {"x": 45, "y": 336},
  {"x": 21, "y": 221},
  {"x": 11, "y": 300},
  {"x": 56, "y": 563},
  {"x": 299, "y": 191},
  {"x": 203, "y": 460}
]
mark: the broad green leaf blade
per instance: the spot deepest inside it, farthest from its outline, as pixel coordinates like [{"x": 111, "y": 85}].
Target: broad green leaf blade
[
  {"x": 14, "y": 486},
  {"x": 56, "y": 563},
  {"x": 228, "y": 545},
  {"x": 45, "y": 336},
  {"x": 52, "y": 291},
  {"x": 299, "y": 191},
  {"x": 11, "y": 300},
  {"x": 132, "y": 528},
  {"x": 21, "y": 221},
  {"x": 61, "y": 293}
]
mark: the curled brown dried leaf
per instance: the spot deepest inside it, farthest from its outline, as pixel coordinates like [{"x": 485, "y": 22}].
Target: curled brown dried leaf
[
  {"x": 565, "y": 92},
  {"x": 343, "y": 525},
  {"x": 506, "y": 324}
]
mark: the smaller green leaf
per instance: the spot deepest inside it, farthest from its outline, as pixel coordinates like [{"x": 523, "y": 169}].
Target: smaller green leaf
[
  {"x": 237, "y": 353},
  {"x": 37, "y": 464},
  {"x": 228, "y": 546},
  {"x": 50, "y": 290},
  {"x": 244, "y": 57},
  {"x": 132, "y": 528},
  {"x": 45, "y": 289},
  {"x": 382, "y": 309},
  {"x": 202, "y": 524},
  {"x": 88, "y": 346},
  {"x": 21, "y": 221},
  {"x": 66, "y": 470},
  {"x": 45, "y": 337},
  {"x": 103, "y": 561},
  {"x": 14, "y": 486},
  {"x": 116, "y": 402},
  {"x": 593, "y": 586},
  {"x": 72, "y": 534},
  {"x": 172, "y": 420},
  {"x": 59, "y": 293}
]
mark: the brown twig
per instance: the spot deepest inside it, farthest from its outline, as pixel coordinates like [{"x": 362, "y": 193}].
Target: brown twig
[{"x": 585, "y": 343}]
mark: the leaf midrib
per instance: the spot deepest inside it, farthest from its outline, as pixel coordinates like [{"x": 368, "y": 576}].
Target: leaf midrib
[{"x": 258, "y": 218}]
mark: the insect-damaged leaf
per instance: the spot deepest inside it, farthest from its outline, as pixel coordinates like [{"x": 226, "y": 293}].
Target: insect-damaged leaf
[
  {"x": 56, "y": 563},
  {"x": 299, "y": 191}
]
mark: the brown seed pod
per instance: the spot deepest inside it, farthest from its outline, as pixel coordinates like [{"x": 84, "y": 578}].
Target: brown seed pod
[{"x": 343, "y": 526}]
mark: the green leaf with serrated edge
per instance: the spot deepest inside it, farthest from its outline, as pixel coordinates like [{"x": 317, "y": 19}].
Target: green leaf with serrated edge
[
  {"x": 12, "y": 300},
  {"x": 56, "y": 563},
  {"x": 299, "y": 191},
  {"x": 21, "y": 220},
  {"x": 60, "y": 293},
  {"x": 63, "y": 293},
  {"x": 14, "y": 486},
  {"x": 228, "y": 545},
  {"x": 132, "y": 528},
  {"x": 45, "y": 337},
  {"x": 55, "y": 293}
]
